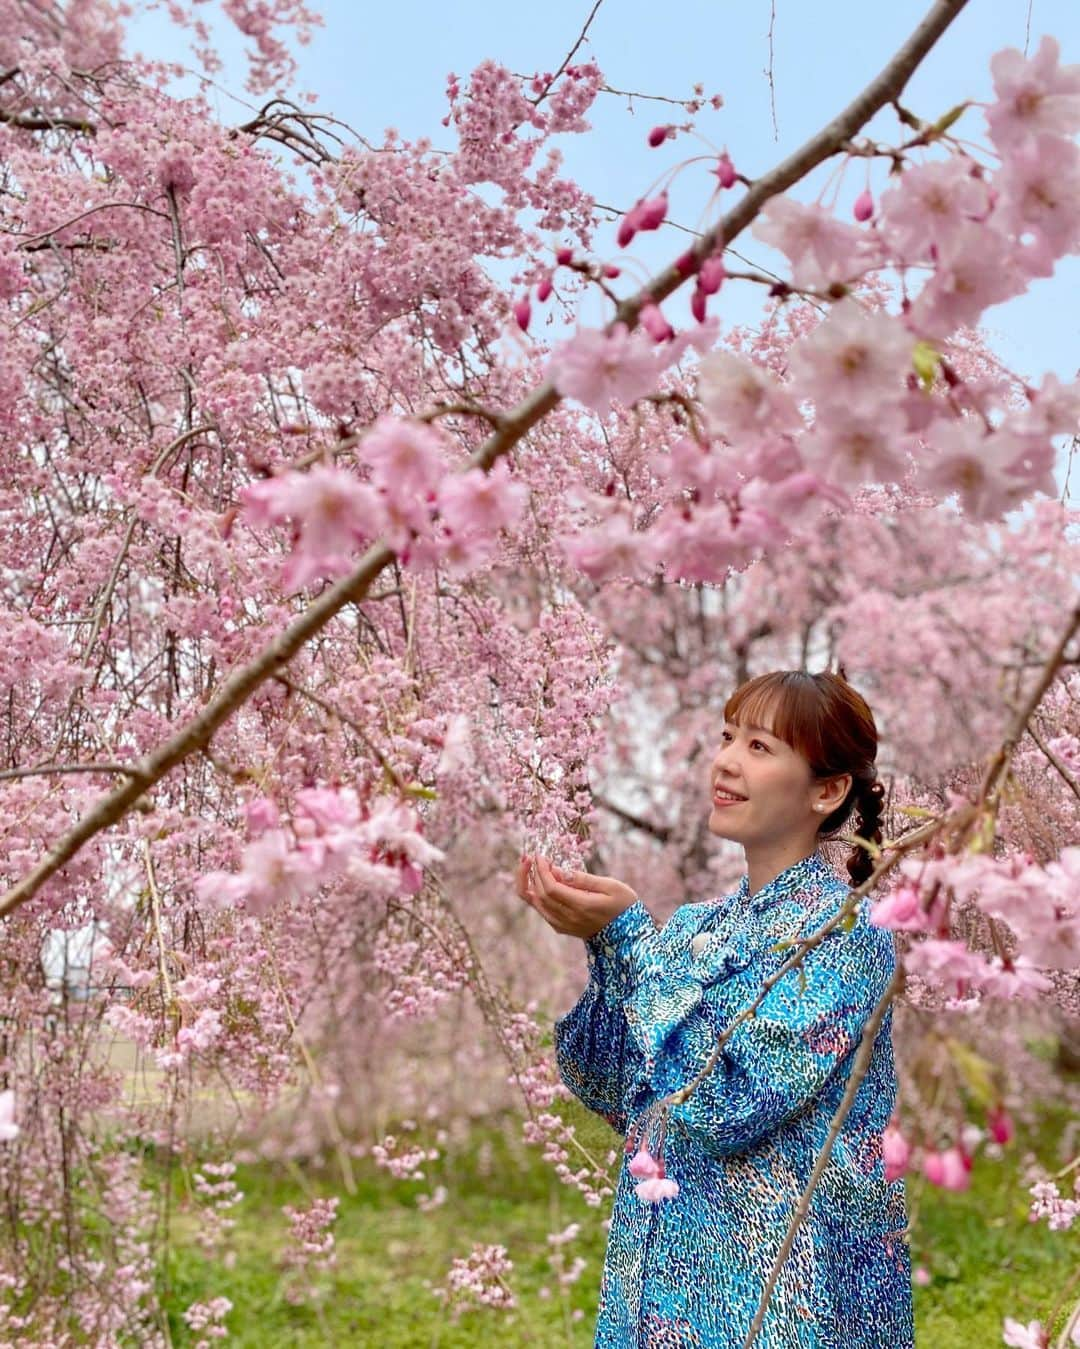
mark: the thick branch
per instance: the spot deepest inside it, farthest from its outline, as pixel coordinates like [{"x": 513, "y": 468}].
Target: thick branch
[{"x": 239, "y": 686}]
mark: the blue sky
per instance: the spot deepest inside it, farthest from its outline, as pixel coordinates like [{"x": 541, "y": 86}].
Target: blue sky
[{"x": 376, "y": 66}]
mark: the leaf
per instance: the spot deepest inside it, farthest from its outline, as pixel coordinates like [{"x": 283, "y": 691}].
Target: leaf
[
  {"x": 926, "y": 360},
  {"x": 418, "y": 789},
  {"x": 977, "y": 1073},
  {"x": 943, "y": 123}
]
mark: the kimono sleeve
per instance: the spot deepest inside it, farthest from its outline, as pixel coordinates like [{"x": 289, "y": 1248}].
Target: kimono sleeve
[
  {"x": 595, "y": 1053},
  {"x": 778, "y": 1062}
]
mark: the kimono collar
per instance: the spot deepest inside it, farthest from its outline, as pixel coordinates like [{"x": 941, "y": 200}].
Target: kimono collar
[{"x": 807, "y": 871}]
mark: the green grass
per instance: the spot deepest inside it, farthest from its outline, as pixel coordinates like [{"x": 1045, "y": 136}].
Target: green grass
[{"x": 986, "y": 1260}]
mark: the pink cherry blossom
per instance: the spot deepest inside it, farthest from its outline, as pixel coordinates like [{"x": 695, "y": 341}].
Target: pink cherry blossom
[
  {"x": 1033, "y": 96},
  {"x": 1019, "y": 1336},
  {"x": 856, "y": 359},
  {"x": 331, "y": 510},
  {"x": 1054, "y": 408},
  {"x": 597, "y": 367},
  {"x": 951, "y": 1169},
  {"x": 976, "y": 268},
  {"x": 1039, "y": 186},
  {"x": 652, "y": 320},
  {"x": 612, "y": 548},
  {"x": 484, "y": 503},
  {"x": 901, "y": 909},
  {"x": 8, "y": 1128},
  {"x": 820, "y": 248},
  {"x": 929, "y": 203},
  {"x": 407, "y": 457},
  {"x": 975, "y": 463},
  {"x": 856, "y": 446},
  {"x": 740, "y": 397}
]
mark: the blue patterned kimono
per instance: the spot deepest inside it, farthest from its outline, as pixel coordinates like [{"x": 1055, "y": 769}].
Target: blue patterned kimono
[{"x": 689, "y": 1271}]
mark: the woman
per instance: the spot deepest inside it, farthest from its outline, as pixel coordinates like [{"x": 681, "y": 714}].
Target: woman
[{"x": 795, "y": 761}]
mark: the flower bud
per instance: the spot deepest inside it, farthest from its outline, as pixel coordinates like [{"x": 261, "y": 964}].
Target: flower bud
[
  {"x": 895, "y": 1151},
  {"x": 686, "y": 264},
  {"x": 698, "y": 302},
  {"x": 725, "y": 171},
  {"x": 864, "y": 205},
  {"x": 654, "y": 323},
  {"x": 543, "y": 290},
  {"x": 564, "y": 256},
  {"x": 658, "y": 135},
  {"x": 523, "y": 312},
  {"x": 712, "y": 274},
  {"x": 626, "y": 231},
  {"x": 651, "y": 214},
  {"x": 1000, "y": 1125}
]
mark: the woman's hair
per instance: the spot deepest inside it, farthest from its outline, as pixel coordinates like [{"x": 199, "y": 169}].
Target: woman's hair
[{"x": 831, "y": 726}]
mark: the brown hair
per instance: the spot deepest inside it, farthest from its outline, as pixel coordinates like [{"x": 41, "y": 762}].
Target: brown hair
[{"x": 831, "y": 726}]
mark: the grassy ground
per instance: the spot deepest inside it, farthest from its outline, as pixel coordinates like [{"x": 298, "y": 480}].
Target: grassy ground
[{"x": 986, "y": 1260}]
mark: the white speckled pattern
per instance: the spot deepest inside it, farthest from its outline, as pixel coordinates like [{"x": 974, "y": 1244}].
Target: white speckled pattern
[{"x": 689, "y": 1271}]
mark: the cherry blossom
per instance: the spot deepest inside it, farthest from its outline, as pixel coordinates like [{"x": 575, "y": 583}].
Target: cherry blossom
[{"x": 598, "y": 367}]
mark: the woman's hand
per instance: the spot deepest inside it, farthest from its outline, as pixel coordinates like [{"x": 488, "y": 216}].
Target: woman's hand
[{"x": 572, "y": 902}]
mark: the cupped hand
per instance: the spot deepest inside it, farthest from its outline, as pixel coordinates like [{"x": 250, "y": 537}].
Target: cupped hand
[{"x": 572, "y": 902}]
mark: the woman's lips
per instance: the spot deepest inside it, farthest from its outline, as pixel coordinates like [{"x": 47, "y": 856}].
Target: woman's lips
[{"x": 726, "y": 800}]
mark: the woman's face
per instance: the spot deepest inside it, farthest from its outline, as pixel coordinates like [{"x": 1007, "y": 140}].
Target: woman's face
[{"x": 774, "y": 782}]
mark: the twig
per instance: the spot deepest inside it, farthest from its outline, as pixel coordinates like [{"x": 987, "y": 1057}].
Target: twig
[{"x": 569, "y": 55}]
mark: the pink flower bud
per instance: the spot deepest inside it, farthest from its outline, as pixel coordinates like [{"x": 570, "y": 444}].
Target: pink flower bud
[
  {"x": 1000, "y": 1124},
  {"x": 654, "y": 323},
  {"x": 543, "y": 290},
  {"x": 957, "y": 1169},
  {"x": 652, "y": 213},
  {"x": 564, "y": 256},
  {"x": 698, "y": 302},
  {"x": 523, "y": 312},
  {"x": 610, "y": 271},
  {"x": 627, "y": 229},
  {"x": 686, "y": 264},
  {"x": 864, "y": 205},
  {"x": 725, "y": 170},
  {"x": 895, "y": 1151},
  {"x": 658, "y": 135},
  {"x": 933, "y": 1168},
  {"x": 712, "y": 274}
]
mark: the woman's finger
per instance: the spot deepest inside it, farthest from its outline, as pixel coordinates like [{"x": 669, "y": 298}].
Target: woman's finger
[
  {"x": 583, "y": 880},
  {"x": 564, "y": 898},
  {"x": 532, "y": 895}
]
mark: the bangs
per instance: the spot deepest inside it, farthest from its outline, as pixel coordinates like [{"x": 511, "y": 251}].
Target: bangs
[{"x": 785, "y": 703}]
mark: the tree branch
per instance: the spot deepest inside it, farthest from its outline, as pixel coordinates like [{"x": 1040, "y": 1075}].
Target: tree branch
[{"x": 351, "y": 589}]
